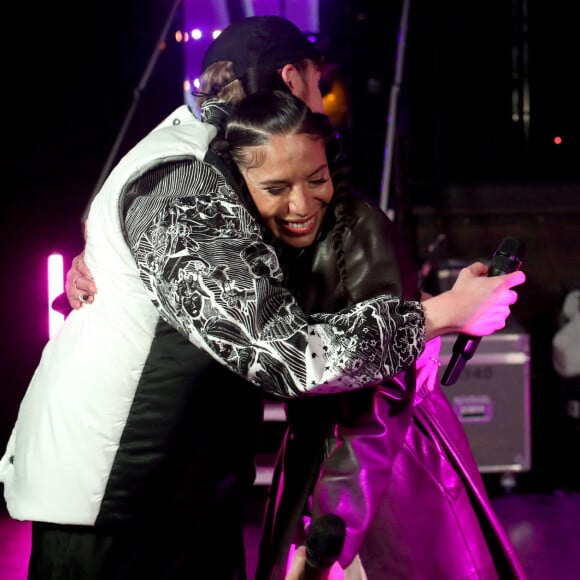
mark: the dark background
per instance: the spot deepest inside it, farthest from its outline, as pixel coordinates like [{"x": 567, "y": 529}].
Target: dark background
[{"x": 465, "y": 165}]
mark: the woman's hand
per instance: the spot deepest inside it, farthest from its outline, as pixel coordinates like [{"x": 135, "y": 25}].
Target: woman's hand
[
  {"x": 477, "y": 304},
  {"x": 299, "y": 562},
  {"x": 80, "y": 287},
  {"x": 297, "y": 565}
]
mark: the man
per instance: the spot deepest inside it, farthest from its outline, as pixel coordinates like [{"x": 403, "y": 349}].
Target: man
[{"x": 134, "y": 446}]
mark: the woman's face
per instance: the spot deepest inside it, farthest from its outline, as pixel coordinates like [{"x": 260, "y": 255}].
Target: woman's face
[{"x": 292, "y": 187}]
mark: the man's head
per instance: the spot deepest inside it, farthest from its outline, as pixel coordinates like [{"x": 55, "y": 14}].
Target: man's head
[
  {"x": 260, "y": 42},
  {"x": 261, "y": 52}
]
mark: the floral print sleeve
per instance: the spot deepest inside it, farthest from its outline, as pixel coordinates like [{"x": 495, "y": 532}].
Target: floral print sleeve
[{"x": 204, "y": 263}]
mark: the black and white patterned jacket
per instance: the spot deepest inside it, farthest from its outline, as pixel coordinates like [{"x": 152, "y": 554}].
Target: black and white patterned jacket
[{"x": 190, "y": 309}]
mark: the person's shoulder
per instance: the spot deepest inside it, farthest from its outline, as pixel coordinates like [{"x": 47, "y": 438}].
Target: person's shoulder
[
  {"x": 181, "y": 132},
  {"x": 360, "y": 208},
  {"x": 179, "y": 136}
]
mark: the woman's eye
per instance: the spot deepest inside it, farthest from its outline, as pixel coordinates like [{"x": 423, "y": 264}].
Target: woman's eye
[
  {"x": 276, "y": 190},
  {"x": 318, "y": 182}
]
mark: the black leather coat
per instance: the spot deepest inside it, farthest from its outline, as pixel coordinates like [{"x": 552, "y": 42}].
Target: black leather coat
[{"x": 402, "y": 476}]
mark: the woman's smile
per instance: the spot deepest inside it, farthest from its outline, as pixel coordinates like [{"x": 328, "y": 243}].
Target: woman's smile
[{"x": 302, "y": 227}]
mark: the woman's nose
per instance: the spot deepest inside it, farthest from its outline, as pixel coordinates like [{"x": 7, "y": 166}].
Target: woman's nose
[{"x": 299, "y": 202}]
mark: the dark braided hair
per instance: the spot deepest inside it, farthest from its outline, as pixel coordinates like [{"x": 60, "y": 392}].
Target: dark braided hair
[
  {"x": 342, "y": 222},
  {"x": 253, "y": 122}
]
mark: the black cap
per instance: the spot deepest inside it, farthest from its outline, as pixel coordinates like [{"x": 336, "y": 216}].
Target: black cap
[{"x": 267, "y": 42}]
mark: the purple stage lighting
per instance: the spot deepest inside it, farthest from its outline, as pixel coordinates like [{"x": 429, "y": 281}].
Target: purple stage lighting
[{"x": 55, "y": 287}]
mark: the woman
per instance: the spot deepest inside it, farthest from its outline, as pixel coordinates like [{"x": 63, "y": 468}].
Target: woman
[{"x": 402, "y": 476}]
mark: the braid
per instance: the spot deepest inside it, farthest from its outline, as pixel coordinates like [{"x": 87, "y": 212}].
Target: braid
[{"x": 340, "y": 173}]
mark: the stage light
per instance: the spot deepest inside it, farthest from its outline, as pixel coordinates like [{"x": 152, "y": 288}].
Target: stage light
[{"x": 55, "y": 288}]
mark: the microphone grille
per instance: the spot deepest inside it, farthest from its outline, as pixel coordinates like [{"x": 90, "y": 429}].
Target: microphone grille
[
  {"x": 325, "y": 540},
  {"x": 511, "y": 247}
]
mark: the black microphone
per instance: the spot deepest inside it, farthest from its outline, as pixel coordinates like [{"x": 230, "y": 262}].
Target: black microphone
[
  {"x": 506, "y": 259},
  {"x": 324, "y": 544}
]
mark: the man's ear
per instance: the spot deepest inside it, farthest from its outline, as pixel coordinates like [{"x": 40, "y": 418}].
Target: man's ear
[{"x": 290, "y": 76}]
